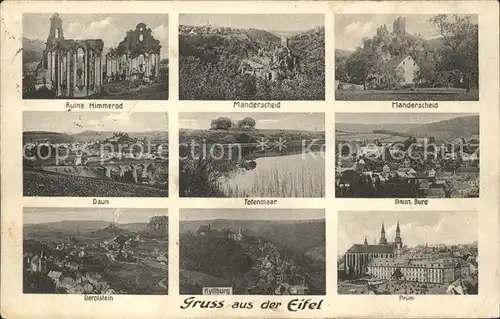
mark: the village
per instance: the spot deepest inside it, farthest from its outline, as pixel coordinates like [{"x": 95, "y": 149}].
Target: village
[
  {"x": 427, "y": 269},
  {"x": 77, "y": 266},
  {"x": 271, "y": 273},
  {"x": 118, "y": 157},
  {"x": 392, "y": 169},
  {"x": 394, "y": 267}
]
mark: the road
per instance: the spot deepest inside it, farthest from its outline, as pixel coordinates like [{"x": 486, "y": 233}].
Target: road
[{"x": 161, "y": 283}]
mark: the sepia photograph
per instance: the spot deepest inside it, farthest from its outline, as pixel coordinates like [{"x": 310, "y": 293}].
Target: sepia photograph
[
  {"x": 407, "y": 155},
  {"x": 251, "y": 57},
  {"x": 387, "y": 57},
  {"x": 95, "y": 154},
  {"x": 252, "y": 154},
  {"x": 407, "y": 253},
  {"x": 95, "y": 251},
  {"x": 95, "y": 56},
  {"x": 252, "y": 252}
]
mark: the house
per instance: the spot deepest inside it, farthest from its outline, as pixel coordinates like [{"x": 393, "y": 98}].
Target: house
[
  {"x": 55, "y": 275},
  {"x": 68, "y": 283},
  {"x": 203, "y": 230},
  {"x": 436, "y": 193},
  {"x": 406, "y": 65},
  {"x": 108, "y": 291}
]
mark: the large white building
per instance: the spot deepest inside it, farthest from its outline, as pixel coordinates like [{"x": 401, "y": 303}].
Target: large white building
[{"x": 388, "y": 260}]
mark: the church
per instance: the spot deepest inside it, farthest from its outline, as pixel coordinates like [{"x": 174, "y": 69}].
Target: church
[
  {"x": 356, "y": 259},
  {"x": 70, "y": 68},
  {"x": 79, "y": 69}
]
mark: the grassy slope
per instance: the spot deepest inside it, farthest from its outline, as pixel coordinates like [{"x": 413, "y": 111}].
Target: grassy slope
[{"x": 37, "y": 183}]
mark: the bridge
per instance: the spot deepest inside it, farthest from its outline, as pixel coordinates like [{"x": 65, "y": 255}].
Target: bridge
[{"x": 143, "y": 168}]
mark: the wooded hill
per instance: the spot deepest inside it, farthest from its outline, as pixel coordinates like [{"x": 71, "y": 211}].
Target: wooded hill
[{"x": 210, "y": 66}]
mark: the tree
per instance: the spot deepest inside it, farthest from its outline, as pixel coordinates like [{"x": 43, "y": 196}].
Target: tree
[
  {"x": 363, "y": 63},
  {"x": 341, "y": 68},
  {"x": 397, "y": 274},
  {"x": 460, "y": 51},
  {"x": 246, "y": 123},
  {"x": 222, "y": 123}
]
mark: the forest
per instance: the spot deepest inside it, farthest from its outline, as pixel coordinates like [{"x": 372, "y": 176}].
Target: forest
[{"x": 210, "y": 67}]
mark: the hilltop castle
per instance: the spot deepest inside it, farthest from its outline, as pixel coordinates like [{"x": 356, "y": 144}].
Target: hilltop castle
[{"x": 271, "y": 65}]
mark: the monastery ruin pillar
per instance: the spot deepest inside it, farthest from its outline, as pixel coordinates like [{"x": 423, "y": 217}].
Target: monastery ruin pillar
[
  {"x": 134, "y": 173},
  {"x": 157, "y": 65},
  {"x": 68, "y": 73},
  {"x": 75, "y": 67}
]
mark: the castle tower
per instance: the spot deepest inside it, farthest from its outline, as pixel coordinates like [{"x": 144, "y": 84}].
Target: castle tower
[
  {"x": 56, "y": 30},
  {"x": 383, "y": 240},
  {"x": 399, "y": 25},
  {"x": 366, "y": 242},
  {"x": 284, "y": 41}
]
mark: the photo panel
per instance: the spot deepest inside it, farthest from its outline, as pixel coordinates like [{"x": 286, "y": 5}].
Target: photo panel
[
  {"x": 406, "y": 57},
  {"x": 252, "y": 57},
  {"x": 252, "y": 154},
  {"x": 95, "y": 251},
  {"x": 407, "y": 253},
  {"x": 252, "y": 251},
  {"x": 95, "y": 56},
  {"x": 97, "y": 154},
  {"x": 407, "y": 155}
]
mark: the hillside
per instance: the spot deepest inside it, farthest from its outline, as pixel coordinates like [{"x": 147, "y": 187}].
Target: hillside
[
  {"x": 295, "y": 235},
  {"x": 464, "y": 126},
  {"x": 52, "y": 137},
  {"x": 90, "y": 135},
  {"x": 157, "y": 227},
  {"x": 310, "y": 47},
  {"x": 214, "y": 47},
  {"x": 448, "y": 129},
  {"x": 32, "y": 50},
  {"x": 111, "y": 230},
  {"x": 369, "y": 128},
  {"x": 66, "y": 227}
]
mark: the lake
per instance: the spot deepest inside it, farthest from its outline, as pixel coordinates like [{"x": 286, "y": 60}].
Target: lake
[{"x": 298, "y": 175}]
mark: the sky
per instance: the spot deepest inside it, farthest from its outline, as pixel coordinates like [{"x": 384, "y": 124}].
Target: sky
[
  {"x": 350, "y": 29},
  {"x": 111, "y": 28},
  {"x": 251, "y": 214},
  {"x": 270, "y": 22},
  {"x": 395, "y": 118},
  {"x": 76, "y": 122},
  {"x": 290, "y": 121},
  {"x": 120, "y": 216},
  {"x": 417, "y": 228}
]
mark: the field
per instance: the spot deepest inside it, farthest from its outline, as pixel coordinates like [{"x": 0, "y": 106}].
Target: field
[
  {"x": 137, "y": 278},
  {"x": 281, "y": 176},
  {"x": 367, "y": 137},
  {"x": 36, "y": 183},
  {"x": 407, "y": 95}
]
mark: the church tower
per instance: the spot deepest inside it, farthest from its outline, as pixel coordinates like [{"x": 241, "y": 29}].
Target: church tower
[
  {"x": 398, "y": 242},
  {"x": 366, "y": 242},
  {"x": 383, "y": 240},
  {"x": 56, "y": 30}
]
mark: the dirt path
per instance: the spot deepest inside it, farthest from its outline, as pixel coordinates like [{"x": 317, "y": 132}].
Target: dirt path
[{"x": 161, "y": 283}]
